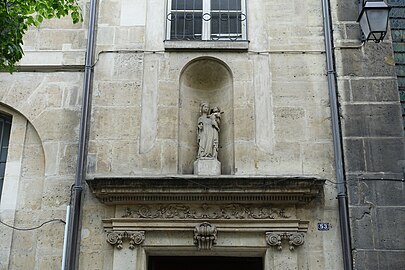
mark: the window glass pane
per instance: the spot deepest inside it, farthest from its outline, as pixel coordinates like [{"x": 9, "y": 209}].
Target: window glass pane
[
  {"x": 6, "y": 133},
  {"x": 195, "y": 5},
  {"x": 234, "y": 23},
  {"x": 187, "y": 4},
  {"x": 226, "y": 25},
  {"x": 225, "y": 5},
  {"x": 2, "y": 122},
  {"x": 5, "y": 126},
  {"x": 3, "y": 154},
  {"x": 215, "y": 4},
  {"x": 2, "y": 169},
  {"x": 215, "y": 23},
  {"x": 186, "y": 26}
]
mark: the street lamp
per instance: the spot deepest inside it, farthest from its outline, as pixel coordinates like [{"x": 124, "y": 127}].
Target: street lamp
[{"x": 373, "y": 18}]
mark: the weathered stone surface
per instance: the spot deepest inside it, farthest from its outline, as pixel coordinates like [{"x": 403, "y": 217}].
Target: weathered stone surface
[
  {"x": 390, "y": 225},
  {"x": 149, "y": 115},
  {"x": 366, "y": 260},
  {"x": 106, "y": 126},
  {"x": 352, "y": 190},
  {"x": 394, "y": 260},
  {"x": 353, "y": 31},
  {"x": 369, "y": 90},
  {"x": 245, "y": 125},
  {"x": 390, "y": 193},
  {"x": 315, "y": 156},
  {"x": 385, "y": 154},
  {"x": 263, "y": 105},
  {"x": 289, "y": 124},
  {"x": 362, "y": 223},
  {"x": 354, "y": 155},
  {"x": 347, "y": 10},
  {"x": 363, "y": 120},
  {"x": 374, "y": 60},
  {"x": 207, "y": 167}
]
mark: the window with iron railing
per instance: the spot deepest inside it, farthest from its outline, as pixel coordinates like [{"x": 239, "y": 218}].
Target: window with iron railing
[
  {"x": 203, "y": 20},
  {"x": 5, "y": 127}
]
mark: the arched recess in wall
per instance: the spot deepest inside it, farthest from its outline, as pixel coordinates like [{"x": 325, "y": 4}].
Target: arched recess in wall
[
  {"x": 205, "y": 79},
  {"x": 33, "y": 134},
  {"x": 25, "y": 165}
]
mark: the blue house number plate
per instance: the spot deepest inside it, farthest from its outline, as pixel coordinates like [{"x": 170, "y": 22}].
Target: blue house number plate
[{"x": 323, "y": 226}]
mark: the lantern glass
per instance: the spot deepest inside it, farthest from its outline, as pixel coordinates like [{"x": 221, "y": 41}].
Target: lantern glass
[
  {"x": 373, "y": 20},
  {"x": 377, "y": 19}
]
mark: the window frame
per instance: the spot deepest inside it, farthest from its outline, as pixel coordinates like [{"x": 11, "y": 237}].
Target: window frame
[
  {"x": 206, "y": 23},
  {"x": 5, "y": 119}
]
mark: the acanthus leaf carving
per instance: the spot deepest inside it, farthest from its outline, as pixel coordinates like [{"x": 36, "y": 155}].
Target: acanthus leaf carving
[
  {"x": 276, "y": 238},
  {"x": 116, "y": 238},
  {"x": 229, "y": 211},
  {"x": 205, "y": 236}
]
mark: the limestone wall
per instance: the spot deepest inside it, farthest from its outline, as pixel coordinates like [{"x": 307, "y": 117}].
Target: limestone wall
[{"x": 276, "y": 111}]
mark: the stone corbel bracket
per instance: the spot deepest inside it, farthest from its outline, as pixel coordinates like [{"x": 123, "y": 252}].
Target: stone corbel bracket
[
  {"x": 116, "y": 238},
  {"x": 294, "y": 239},
  {"x": 205, "y": 236}
]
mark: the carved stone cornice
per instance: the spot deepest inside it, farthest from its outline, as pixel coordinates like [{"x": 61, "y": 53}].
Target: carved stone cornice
[
  {"x": 205, "y": 236},
  {"x": 294, "y": 239},
  {"x": 116, "y": 238},
  {"x": 207, "y": 212},
  {"x": 224, "y": 225},
  {"x": 206, "y": 189}
]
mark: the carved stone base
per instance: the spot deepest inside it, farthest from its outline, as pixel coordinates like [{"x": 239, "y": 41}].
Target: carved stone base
[{"x": 207, "y": 167}]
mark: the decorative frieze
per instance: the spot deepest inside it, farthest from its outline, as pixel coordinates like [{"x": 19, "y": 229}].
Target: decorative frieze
[
  {"x": 221, "y": 189},
  {"x": 116, "y": 238},
  {"x": 276, "y": 238},
  {"x": 205, "y": 236},
  {"x": 227, "y": 212}
]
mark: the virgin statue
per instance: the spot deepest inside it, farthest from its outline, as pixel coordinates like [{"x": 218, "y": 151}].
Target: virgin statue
[{"x": 208, "y": 132}]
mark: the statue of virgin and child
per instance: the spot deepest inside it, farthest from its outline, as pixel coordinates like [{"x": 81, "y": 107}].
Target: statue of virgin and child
[{"x": 208, "y": 132}]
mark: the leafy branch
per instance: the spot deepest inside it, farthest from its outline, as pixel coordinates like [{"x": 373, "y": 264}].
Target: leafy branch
[{"x": 16, "y": 16}]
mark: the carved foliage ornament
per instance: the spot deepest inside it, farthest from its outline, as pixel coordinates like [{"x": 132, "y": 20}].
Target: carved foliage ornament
[
  {"x": 275, "y": 239},
  {"x": 180, "y": 211},
  {"x": 205, "y": 236},
  {"x": 135, "y": 238}
]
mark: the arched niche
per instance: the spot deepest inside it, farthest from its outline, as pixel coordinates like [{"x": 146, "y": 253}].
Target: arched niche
[{"x": 205, "y": 80}]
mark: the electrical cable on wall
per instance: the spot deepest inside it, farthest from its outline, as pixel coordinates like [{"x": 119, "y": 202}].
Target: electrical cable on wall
[{"x": 33, "y": 228}]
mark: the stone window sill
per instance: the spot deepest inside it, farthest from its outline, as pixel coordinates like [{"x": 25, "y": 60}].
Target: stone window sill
[{"x": 206, "y": 45}]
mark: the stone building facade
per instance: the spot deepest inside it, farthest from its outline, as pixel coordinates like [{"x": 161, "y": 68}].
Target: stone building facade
[{"x": 274, "y": 205}]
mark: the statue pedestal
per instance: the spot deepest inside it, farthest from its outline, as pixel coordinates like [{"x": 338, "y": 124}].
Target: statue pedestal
[{"x": 207, "y": 167}]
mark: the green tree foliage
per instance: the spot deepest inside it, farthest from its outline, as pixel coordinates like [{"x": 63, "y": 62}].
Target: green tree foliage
[{"x": 16, "y": 16}]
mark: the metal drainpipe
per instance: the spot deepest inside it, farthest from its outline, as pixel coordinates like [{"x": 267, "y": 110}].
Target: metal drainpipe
[
  {"x": 337, "y": 140},
  {"x": 74, "y": 222}
]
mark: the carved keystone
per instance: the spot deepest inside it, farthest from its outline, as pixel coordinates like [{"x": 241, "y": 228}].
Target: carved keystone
[
  {"x": 205, "y": 236},
  {"x": 275, "y": 239},
  {"x": 135, "y": 238}
]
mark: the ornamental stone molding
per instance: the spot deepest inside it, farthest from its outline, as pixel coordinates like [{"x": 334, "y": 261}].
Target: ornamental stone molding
[
  {"x": 222, "y": 189},
  {"x": 205, "y": 236},
  {"x": 275, "y": 239},
  {"x": 116, "y": 238},
  {"x": 211, "y": 212}
]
